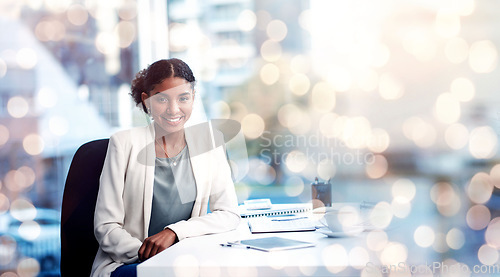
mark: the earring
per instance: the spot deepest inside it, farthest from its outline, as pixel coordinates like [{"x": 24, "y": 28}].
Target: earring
[{"x": 148, "y": 110}]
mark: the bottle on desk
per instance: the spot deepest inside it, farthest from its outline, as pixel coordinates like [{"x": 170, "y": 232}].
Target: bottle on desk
[{"x": 321, "y": 193}]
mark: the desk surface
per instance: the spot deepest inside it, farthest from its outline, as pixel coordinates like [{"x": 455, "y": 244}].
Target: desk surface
[{"x": 203, "y": 256}]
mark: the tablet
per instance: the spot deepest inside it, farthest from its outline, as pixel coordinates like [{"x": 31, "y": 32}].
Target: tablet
[{"x": 275, "y": 243}]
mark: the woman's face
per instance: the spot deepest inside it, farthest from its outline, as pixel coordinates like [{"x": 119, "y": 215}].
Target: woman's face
[{"x": 170, "y": 103}]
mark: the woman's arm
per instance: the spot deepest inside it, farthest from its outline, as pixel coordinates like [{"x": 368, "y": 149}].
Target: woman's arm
[{"x": 110, "y": 211}]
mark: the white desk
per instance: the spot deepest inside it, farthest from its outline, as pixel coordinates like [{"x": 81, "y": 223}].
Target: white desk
[{"x": 203, "y": 256}]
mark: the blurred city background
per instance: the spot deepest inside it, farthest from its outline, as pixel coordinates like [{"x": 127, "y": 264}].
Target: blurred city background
[{"x": 396, "y": 101}]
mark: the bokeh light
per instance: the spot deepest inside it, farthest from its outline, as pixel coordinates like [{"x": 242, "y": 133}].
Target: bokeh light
[
  {"x": 300, "y": 64},
  {"x": 221, "y": 109},
  {"x": 299, "y": 84},
  {"x": 296, "y": 161},
  {"x": 401, "y": 207},
  {"x": 33, "y": 144},
  {"x": 107, "y": 42},
  {"x": 269, "y": 74},
  {"x": 483, "y": 142},
  {"x": 394, "y": 253},
  {"x": 456, "y": 136},
  {"x": 8, "y": 245},
  {"x": 447, "y": 108},
  {"x": 26, "y": 58},
  {"x": 335, "y": 258},
  {"x": 28, "y": 267},
  {"x": 77, "y": 15},
  {"x": 126, "y": 32},
  {"x": 491, "y": 235},
  {"x": 419, "y": 42},
  {"x": 340, "y": 78},
  {"x": 483, "y": 56},
  {"x": 323, "y": 97},
  {"x": 294, "y": 186},
  {"x": 368, "y": 80},
  {"x": 29, "y": 230},
  {"x": 289, "y": 115},
  {"x": 270, "y": 51},
  {"x": 463, "y": 89},
  {"x": 381, "y": 215},
  {"x": 480, "y": 188},
  {"x": 376, "y": 240},
  {"x": 4, "y": 203},
  {"x": 305, "y": 20},
  {"x": 424, "y": 236},
  {"x": 446, "y": 198},
  {"x": 50, "y": 30},
  {"x": 326, "y": 169},
  {"x": 403, "y": 188},
  {"x": 302, "y": 126},
  {"x": 478, "y": 217},
  {"x": 378, "y": 168},
  {"x": 186, "y": 265},
  {"x": 379, "y": 140},
  {"x": 358, "y": 257},
  {"x": 487, "y": 255},
  {"x": 276, "y": 30},
  {"x": 381, "y": 55},
  {"x": 357, "y": 132},
  {"x": 326, "y": 124},
  {"x": 390, "y": 88},
  {"x": 127, "y": 10},
  {"x": 4, "y": 135},
  {"x": 22, "y": 210},
  {"x": 447, "y": 24},
  {"x": 494, "y": 174},
  {"x": 307, "y": 266},
  {"x": 17, "y": 180},
  {"x": 264, "y": 174},
  {"x": 456, "y": 50},
  {"x": 247, "y": 20},
  {"x": 46, "y": 98},
  {"x": 422, "y": 133},
  {"x": 17, "y": 106},
  {"x": 3, "y": 68},
  {"x": 252, "y": 126},
  {"x": 455, "y": 238}
]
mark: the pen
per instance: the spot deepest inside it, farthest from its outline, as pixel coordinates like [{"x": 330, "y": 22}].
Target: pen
[{"x": 234, "y": 245}]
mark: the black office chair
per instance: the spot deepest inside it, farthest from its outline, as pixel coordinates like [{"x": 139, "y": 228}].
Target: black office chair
[{"x": 78, "y": 243}]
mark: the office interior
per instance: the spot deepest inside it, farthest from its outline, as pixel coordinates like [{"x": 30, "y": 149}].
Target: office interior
[{"x": 394, "y": 102}]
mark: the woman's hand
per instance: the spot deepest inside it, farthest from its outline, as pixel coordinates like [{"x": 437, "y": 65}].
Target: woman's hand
[{"x": 156, "y": 243}]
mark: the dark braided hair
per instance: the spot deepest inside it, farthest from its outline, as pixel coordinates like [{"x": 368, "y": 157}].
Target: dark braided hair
[{"x": 146, "y": 79}]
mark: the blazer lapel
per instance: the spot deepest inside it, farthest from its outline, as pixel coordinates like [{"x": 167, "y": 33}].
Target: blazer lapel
[{"x": 149, "y": 176}]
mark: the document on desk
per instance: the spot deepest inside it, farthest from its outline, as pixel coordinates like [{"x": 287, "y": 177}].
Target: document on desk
[{"x": 288, "y": 223}]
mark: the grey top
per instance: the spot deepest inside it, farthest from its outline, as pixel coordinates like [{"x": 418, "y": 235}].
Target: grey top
[{"x": 174, "y": 191}]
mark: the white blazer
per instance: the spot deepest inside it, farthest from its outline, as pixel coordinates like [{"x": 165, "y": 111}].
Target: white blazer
[{"x": 125, "y": 197}]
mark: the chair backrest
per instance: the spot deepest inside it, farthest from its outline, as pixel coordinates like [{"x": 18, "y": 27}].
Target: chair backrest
[{"x": 78, "y": 243}]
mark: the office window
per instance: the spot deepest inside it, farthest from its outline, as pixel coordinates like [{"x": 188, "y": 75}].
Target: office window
[{"x": 396, "y": 104}]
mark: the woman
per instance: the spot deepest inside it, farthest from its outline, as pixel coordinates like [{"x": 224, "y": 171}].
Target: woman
[{"x": 157, "y": 181}]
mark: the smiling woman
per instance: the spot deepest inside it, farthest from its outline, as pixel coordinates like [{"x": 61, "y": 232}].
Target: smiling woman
[{"x": 158, "y": 180}]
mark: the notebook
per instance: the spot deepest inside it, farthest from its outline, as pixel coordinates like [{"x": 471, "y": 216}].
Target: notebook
[
  {"x": 275, "y": 243},
  {"x": 276, "y": 209},
  {"x": 287, "y": 223}
]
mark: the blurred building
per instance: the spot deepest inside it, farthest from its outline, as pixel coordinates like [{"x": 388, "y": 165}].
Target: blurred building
[{"x": 42, "y": 119}]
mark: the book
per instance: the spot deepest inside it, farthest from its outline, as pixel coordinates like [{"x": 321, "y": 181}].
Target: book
[
  {"x": 276, "y": 209},
  {"x": 286, "y": 223},
  {"x": 275, "y": 243}
]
